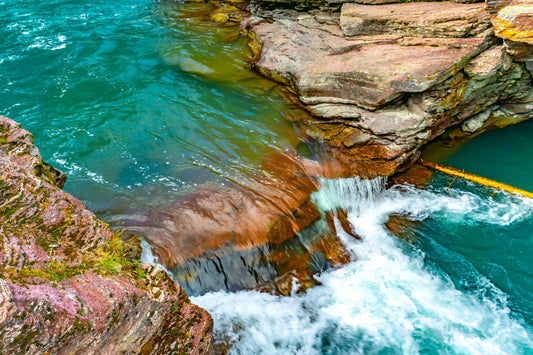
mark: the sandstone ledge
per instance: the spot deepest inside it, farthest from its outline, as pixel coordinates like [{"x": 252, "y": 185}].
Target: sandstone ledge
[
  {"x": 383, "y": 80},
  {"x": 68, "y": 283}
]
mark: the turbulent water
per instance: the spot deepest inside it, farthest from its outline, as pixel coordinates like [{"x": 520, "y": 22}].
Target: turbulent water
[
  {"x": 394, "y": 298},
  {"x": 139, "y": 101}
]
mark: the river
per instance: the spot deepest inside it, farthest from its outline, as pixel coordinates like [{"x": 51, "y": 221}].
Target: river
[{"x": 138, "y": 102}]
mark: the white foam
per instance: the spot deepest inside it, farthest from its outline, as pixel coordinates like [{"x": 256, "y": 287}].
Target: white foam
[
  {"x": 148, "y": 257},
  {"x": 386, "y": 301},
  {"x": 74, "y": 169}
]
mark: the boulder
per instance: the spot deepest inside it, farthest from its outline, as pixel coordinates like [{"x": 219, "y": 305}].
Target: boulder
[
  {"x": 513, "y": 21},
  {"x": 68, "y": 284}
]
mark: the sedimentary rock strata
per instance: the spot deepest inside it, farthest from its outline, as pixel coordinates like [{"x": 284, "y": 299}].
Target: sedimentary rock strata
[
  {"x": 422, "y": 19},
  {"x": 68, "y": 284},
  {"x": 383, "y": 80}
]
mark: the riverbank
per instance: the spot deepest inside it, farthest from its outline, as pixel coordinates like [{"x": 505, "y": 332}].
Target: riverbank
[
  {"x": 383, "y": 80},
  {"x": 70, "y": 284}
]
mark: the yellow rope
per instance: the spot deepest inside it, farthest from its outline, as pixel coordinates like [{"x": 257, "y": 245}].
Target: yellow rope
[{"x": 475, "y": 178}]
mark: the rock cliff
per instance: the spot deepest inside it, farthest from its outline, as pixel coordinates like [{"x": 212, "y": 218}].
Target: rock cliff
[
  {"x": 383, "y": 80},
  {"x": 68, "y": 284}
]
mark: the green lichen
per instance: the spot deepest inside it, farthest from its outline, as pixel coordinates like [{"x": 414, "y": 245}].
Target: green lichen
[{"x": 112, "y": 259}]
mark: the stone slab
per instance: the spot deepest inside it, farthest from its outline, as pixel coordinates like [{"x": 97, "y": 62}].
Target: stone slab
[{"x": 426, "y": 19}]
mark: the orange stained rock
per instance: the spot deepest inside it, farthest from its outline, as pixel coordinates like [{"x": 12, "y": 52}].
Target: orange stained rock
[
  {"x": 268, "y": 208},
  {"x": 515, "y": 22}
]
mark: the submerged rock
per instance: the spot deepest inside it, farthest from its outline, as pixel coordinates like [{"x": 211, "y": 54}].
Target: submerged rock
[
  {"x": 242, "y": 215},
  {"x": 68, "y": 283}
]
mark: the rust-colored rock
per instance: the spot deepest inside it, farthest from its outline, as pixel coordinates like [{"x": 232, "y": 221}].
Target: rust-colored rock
[
  {"x": 67, "y": 284},
  {"x": 263, "y": 209},
  {"x": 342, "y": 218}
]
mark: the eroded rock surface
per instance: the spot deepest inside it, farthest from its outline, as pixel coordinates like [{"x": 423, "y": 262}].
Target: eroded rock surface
[
  {"x": 383, "y": 80},
  {"x": 68, "y": 284},
  {"x": 424, "y": 19},
  {"x": 257, "y": 210}
]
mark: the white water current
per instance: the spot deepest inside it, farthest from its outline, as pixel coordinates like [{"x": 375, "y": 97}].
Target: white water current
[{"x": 388, "y": 301}]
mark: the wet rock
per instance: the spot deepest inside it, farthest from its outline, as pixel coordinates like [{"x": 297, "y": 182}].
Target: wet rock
[
  {"x": 342, "y": 219},
  {"x": 263, "y": 209},
  {"x": 227, "y": 14},
  {"x": 319, "y": 263},
  {"x": 267, "y": 267},
  {"x": 67, "y": 284}
]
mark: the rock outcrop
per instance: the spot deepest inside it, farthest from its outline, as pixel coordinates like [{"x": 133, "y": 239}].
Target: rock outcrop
[
  {"x": 513, "y": 22},
  {"x": 68, "y": 284},
  {"x": 383, "y": 80}
]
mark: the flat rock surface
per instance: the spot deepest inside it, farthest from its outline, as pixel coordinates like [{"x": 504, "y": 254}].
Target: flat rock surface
[
  {"x": 427, "y": 19},
  {"x": 368, "y": 71}
]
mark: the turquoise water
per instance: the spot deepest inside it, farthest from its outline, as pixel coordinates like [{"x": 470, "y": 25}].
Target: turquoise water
[
  {"x": 131, "y": 103},
  {"x": 501, "y": 253},
  {"x": 140, "y": 101},
  {"x": 397, "y": 297}
]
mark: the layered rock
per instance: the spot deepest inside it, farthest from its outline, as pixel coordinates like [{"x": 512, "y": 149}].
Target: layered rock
[
  {"x": 333, "y": 4},
  {"x": 68, "y": 284},
  {"x": 423, "y": 19},
  {"x": 384, "y": 80}
]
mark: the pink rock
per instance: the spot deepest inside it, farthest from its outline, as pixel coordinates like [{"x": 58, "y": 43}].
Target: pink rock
[{"x": 44, "y": 232}]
